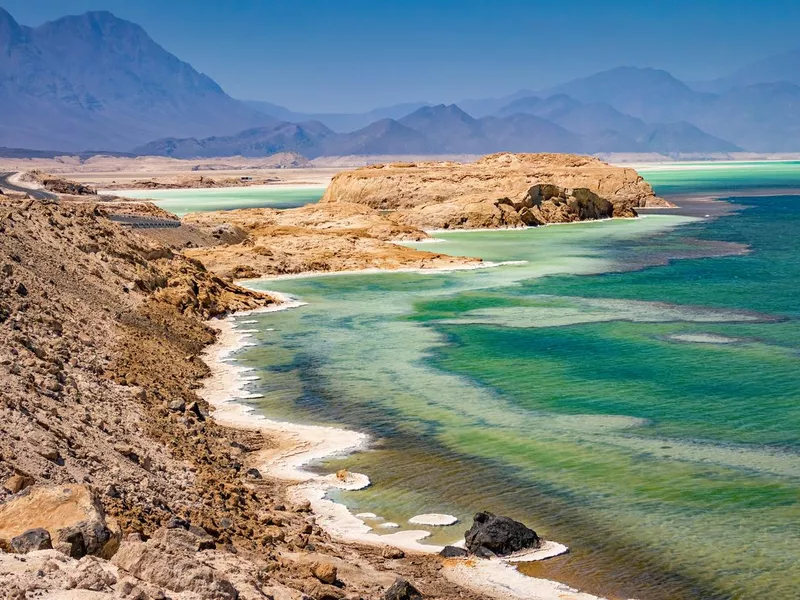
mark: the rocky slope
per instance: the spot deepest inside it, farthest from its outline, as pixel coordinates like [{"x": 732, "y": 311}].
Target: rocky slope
[
  {"x": 106, "y": 449},
  {"x": 316, "y": 238},
  {"x": 499, "y": 190}
]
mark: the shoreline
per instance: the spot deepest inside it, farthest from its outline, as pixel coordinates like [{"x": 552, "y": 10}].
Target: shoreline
[
  {"x": 376, "y": 270},
  {"x": 301, "y": 445},
  {"x": 302, "y": 185}
]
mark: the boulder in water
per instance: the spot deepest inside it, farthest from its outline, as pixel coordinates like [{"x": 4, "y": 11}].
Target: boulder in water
[{"x": 493, "y": 535}]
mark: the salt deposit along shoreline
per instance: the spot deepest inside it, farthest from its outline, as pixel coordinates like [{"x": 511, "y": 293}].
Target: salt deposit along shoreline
[{"x": 300, "y": 445}]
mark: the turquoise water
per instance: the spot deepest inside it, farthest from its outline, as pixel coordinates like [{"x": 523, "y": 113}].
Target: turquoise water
[
  {"x": 631, "y": 390},
  {"x": 181, "y": 202}
]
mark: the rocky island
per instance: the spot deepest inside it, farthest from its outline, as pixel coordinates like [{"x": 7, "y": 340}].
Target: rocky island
[{"x": 499, "y": 190}]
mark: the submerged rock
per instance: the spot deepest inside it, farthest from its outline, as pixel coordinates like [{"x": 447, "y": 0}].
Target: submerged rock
[{"x": 492, "y": 535}]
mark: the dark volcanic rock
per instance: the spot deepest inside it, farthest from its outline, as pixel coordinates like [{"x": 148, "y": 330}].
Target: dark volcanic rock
[
  {"x": 453, "y": 552},
  {"x": 33, "y": 539},
  {"x": 499, "y": 535},
  {"x": 253, "y": 473},
  {"x": 402, "y": 590}
]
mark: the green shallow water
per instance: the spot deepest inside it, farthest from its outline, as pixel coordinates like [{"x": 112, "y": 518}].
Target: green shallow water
[
  {"x": 181, "y": 202},
  {"x": 631, "y": 390}
]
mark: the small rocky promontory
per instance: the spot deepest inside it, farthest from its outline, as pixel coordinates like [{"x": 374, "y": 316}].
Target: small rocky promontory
[{"x": 499, "y": 190}]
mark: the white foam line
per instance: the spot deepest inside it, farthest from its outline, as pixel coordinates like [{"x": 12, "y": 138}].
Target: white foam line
[
  {"x": 500, "y": 579},
  {"x": 434, "y": 519},
  {"x": 300, "y": 445},
  {"x": 526, "y": 227}
]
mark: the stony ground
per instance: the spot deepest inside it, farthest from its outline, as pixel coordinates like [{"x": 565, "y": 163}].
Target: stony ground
[
  {"x": 100, "y": 332},
  {"x": 322, "y": 238}
]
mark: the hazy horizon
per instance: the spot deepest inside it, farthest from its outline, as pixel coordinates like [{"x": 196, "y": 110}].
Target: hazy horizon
[{"x": 318, "y": 56}]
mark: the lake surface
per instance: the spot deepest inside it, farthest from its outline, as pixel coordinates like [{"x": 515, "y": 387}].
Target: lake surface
[
  {"x": 184, "y": 201},
  {"x": 632, "y": 389}
]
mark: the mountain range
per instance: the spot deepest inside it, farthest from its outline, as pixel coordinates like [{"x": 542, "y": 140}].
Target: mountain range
[{"x": 95, "y": 81}]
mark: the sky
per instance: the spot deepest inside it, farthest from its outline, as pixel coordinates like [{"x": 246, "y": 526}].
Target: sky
[{"x": 354, "y": 55}]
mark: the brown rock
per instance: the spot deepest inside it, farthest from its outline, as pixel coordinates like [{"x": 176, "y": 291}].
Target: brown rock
[
  {"x": 392, "y": 553},
  {"x": 68, "y": 512},
  {"x": 325, "y": 572},
  {"x": 492, "y": 191},
  {"x": 170, "y": 568},
  {"x": 17, "y": 483},
  {"x": 49, "y": 453}
]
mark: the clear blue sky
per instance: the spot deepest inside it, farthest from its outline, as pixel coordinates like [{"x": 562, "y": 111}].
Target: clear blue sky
[{"x": 350, "y": 55}]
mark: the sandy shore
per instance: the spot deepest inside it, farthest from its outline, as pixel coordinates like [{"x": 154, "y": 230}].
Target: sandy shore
[{"x": 297, "y": 446}]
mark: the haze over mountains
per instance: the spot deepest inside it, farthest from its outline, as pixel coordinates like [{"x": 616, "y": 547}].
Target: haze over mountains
[{"x": 98, "y": 82}]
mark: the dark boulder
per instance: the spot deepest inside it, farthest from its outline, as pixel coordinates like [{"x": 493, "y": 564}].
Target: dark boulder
[
  {"x": 176, "y": 523},
  {"x": 33, "y": 539},
  {"x": 453, "y": 552},
  {"x": 499, "y": 535},
  {"x": 71, "y": 542},
  {"x": 402, "y": 590}
]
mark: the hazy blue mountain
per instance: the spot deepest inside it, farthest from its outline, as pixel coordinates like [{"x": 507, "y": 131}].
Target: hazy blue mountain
[
  {"x": 428, "y": 130},
  {"x": 339, "y": 122},
  {"x": 605, "y": 129},
  {"x": 449, "y": 127},
  {"x": 783, "y": 67},
  {"x": 652, "y": 95},
  {"x": 96, "y": 81},
  {"x": 671, "y": 138},
  {"x": 304, "y": 138},
  {"x": 762, "y": 118},
  {"x": 586, "y": 118},
  {"x": 484, "y": 107},
  {"x": 311, "y": 139},
  {"x": 528, "y": 133},
  {"x": 386, "y": 136}
]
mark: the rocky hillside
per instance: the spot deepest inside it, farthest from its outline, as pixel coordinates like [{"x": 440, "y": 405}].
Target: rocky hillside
[
  {"x": 106, "y": 451},
  {"x": 500, "y": 190}
]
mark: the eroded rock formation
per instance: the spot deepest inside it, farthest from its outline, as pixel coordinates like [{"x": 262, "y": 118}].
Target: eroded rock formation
[
  {"x": 495, "y": 191},
  {"x": 321, "y": 238}
]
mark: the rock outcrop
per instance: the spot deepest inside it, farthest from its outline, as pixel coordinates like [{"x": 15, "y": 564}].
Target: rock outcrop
[
  {"x": 540, "y": 205},
  {"x": 491, "y": 535},
  {"x": 493, "y": 191},
  {"x": 321, "y": 238},
  {"x": 69, "y": 518}
]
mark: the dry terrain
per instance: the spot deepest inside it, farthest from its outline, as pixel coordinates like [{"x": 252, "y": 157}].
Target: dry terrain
[
  {"x": 107, "y": 451},
  {"x": 499, "y": 190}
]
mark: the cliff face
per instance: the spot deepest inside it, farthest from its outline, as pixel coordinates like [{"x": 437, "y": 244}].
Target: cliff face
[{"x": 493, "y": 190}]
